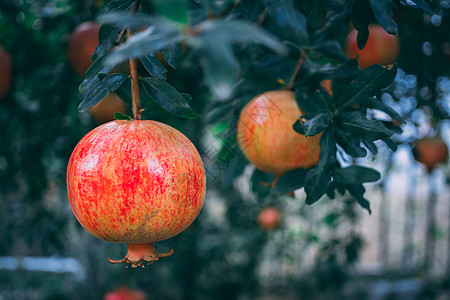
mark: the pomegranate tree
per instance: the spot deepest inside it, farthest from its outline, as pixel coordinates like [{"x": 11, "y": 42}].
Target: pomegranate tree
[
  {"x": 135, "y": 182},
  {"x": 267, "y": 139}
]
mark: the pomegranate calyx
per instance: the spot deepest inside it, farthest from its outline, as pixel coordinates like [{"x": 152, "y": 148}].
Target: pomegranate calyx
[{"x": 139, "y": 254}]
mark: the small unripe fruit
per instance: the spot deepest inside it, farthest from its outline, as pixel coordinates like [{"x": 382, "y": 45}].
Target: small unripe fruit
[
  {"x": 269, "y": 218},
  {"x": 5, "y": 72},
  {"x": 431, "y": 151},
  {"x": 381, "y": 48},
  {"x": 267, "y": 139},
  {"x": 104, "y": 111},
  {"x": 81, "y": 46}
]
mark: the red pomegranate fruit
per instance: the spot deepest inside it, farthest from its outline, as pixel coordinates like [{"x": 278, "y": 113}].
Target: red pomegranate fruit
[
  {"x": 125, "y": 293},
  {"x": 381, "y": 48},
  {"x": 267, "y": 139},
  {"x": 269, "y": 218},
  {"x": 5, "y": 72},
  {"x": 135, "y": 182},
  {"x": 431, "y": 151},
  {"x": 81, "y": 45}
]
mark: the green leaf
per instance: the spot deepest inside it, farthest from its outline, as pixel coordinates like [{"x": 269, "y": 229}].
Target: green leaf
[
  {"x": 220, "y": 67},
  {"x": 153, "y": 66},
  {"x": 121, "y": 116},
  {"x": 355, "y": 175},
  {"x": 382, "y": 9},
  {"x": 313, "y": 126},
  {"x": 107, "y": 35},
  {"x": 377, "y": 104},
  {"x": 291, "y": 181},
  {"x": 318, "y": 178},
  {"x": 357, "y": 124},
  {"x": 390, "y": 144},
  {"x": 168, "y": 98},
  {"x": 331, "y": 49},
  {"x": 101, "y": 89},
  {"x": 314, "y": 11},
  {"x": 350, "y": 144},
  {"x": 306, "y": 102},
  {"x": 357, "y": 191},
  {"x": 292, "y": 23},
  {"x": 158, "y": 35},
  {"x": 371, "y": 146},
  {"x": 261, "y": 183},
  {"x": 422, "y": 4},
  {"x": 366, "y": 85},
  {"x": 316, "y": 185},
  {"x": 239, "y": 32},
  {"x": 362, "y": 16},
  {"x": 92, "y": 74},
  {"x": 175, "y": 10},
  {"x": 173, "y": 54}
]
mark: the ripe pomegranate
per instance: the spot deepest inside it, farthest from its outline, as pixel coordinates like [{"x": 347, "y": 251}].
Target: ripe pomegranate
[
  {"x": 5, "y": 72},
  {"x": 381, "y": 48},
  {"x": 135, "y": 182},
  {"x": 269, "y": 218},
  {"x": 430, "y": 151},
  {"x": 104, "y": 111},
  {"x": 266, "y": 137},
  {"x": 124, "y": 293},
  {"x": 81, "y": 46}
]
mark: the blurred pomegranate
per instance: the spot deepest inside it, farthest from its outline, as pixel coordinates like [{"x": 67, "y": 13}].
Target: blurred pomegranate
[
  {"x": 430, "y": 151},
  {"x": 269, "y": 218},
  {"x": 124, "y": 293}
]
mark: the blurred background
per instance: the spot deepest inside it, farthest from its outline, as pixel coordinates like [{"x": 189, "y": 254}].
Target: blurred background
[{"x": 330, "y": 249}]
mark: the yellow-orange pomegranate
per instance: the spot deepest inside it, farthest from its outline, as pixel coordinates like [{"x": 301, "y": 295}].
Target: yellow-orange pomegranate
[
  {"x": 81, "y": 46},
  {"x": 430, "y": 151},
  {"x": 104, "y": 111},
  {"x": 269, "y": 218},
  {"x": 135, "y": 182},
  {"x": 381, "y": 48},
  {"x": 267, "y": 139},
  {"x": 5, "y": 72}
]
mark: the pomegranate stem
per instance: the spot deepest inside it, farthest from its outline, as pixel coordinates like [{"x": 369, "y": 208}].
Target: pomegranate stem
[{"x": 138, "y": 254}]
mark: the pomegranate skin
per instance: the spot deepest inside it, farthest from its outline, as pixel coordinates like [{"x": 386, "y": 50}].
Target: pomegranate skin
[
  {"x": 267, "y": 139},
  {"x": 381, "y": 48},
  {"x": 135, "y": 182},
  {"x": 5, "y": 71},
  {"x": 81, "y": 46},
  {"x": 431, "y": 151}
]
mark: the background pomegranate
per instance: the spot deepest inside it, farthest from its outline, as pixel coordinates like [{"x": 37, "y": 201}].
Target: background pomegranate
[
  {"x": 269, "y": 218},
  {"x": 81, "y": 46},
  {"x": 135, "y": 182},
  {"x": 266, "y": 137},
  {"x": 125, "y": 293},
  {"x": 430, "y": 151},
  {"x": 5, "y": 72},
  {"x": 381, "y": 48}
]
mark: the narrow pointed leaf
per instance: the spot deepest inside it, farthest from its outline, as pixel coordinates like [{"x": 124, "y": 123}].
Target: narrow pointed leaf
[
  {"x": 168, "y": 98},
  {"x": 382, "y": 9},
  {"x": 313, "y": 126},
  {"x": 153, "y": 66}
]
